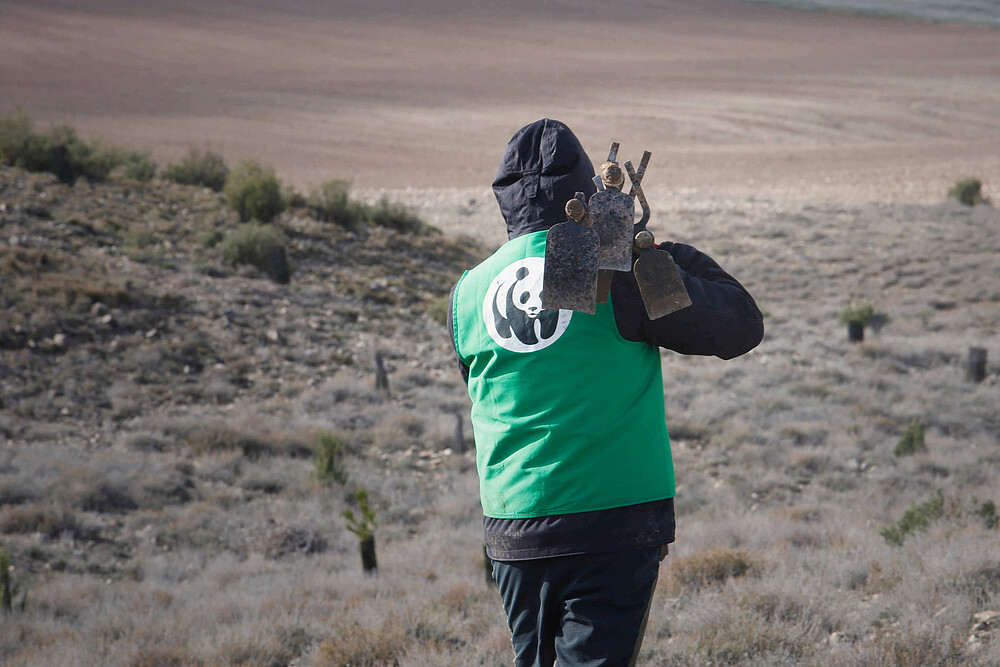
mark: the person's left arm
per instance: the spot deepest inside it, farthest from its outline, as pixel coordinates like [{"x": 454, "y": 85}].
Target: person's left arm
[{"x": 723, "y": 319}]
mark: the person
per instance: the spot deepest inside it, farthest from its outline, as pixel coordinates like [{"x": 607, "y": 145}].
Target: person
[{"x": 575, "y": 470}]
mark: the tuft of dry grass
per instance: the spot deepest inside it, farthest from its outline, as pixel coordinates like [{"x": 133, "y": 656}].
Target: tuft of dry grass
[
  {"x": 164, "y": 656},
  {"x": 710, "y": 568},
  {"x": 50, "y": 520},
  {"x": 279, "y": 541},
  {"x": 353, "y": 644}
]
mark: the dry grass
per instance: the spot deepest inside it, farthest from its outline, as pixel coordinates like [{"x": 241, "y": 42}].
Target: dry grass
[{"x": 700, "y": 570}]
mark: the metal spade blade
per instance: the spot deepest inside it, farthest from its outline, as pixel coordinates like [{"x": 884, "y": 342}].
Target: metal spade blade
[
  {"x": 569, "y": 281},
  {"x": 660, "y": 283},
  {"x": 611, "y": 214}
]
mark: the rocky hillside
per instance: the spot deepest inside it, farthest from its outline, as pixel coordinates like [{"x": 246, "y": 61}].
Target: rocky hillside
[
  {"x": 141, "y": 374},
  {"x": 116, "y": 302}
]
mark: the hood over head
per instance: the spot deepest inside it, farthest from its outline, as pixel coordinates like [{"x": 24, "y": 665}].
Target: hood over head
[{"x": 543, "y": 167}]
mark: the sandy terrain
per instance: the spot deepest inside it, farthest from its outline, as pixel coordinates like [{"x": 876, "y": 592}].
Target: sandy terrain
[{"x": 732, "y": 98}]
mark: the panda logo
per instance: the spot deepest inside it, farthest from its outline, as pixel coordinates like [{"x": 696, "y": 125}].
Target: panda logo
[{"x": 512, "y": 310}]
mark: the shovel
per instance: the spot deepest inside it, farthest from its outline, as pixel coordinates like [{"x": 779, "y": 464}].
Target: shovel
[
  {"x": 660, "y": 283},
  {"x": 612, "y": 213},
  {"x": 571, "y": 259}
]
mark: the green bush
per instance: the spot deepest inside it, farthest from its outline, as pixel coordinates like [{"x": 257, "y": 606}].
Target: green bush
[
  {"x": 395, "y": 216},
  {"x": 437, "y": 310},
  {"x": 362, "y": 526},
  {"x": 968, "y": 191},
  {"x": 256, "y": 245},
  {"x": 912, "y": 440},
  {"x": 293, "y": 198},
  {"x": 328, "y": 461},
  {"x": 207, "y": 169},
  {"x": 59, "y": 151},
  {"x": 331, "y": 203},
  {"x": 858, "y": 313},
  {"x": 987, "y": 513},
  {"x": 137, "y": 166},
  {"x": 918, "y": 517},
  {"x": 254, "y": 192},
  {"x": 17, "y": 133}
]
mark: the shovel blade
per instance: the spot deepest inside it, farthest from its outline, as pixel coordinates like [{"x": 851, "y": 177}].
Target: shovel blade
[
  {"x": 660, "y": 284},
  {"x": 570, "y": 278},
  {"x": 612, "y": 213}
]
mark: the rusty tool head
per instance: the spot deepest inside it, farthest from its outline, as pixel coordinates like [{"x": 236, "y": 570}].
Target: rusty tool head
[{"x": 571, "y": 256}]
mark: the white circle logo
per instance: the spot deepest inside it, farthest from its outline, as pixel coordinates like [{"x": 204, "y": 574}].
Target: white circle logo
[{"x": 513, "y": 311}]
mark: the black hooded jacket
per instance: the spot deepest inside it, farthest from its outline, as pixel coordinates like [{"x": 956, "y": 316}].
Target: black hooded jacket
[{"x": 543, "y": 167}]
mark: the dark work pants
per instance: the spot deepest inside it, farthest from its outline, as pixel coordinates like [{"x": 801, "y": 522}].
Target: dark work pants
[{"x": 588, "y": 610}]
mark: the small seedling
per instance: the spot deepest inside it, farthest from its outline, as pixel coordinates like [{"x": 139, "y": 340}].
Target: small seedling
[
  {"x": 987, "y": 512},
  {"x": 381, "y": 374},
  {"x": 328, "y": 461},
  {"x": 9, "y": 589},
  {"x": 364, "y": 528},
  {"x": 917, "y": 517},
  {"x": 857, "y": 316},
  {"x": 912, "y": 440}
]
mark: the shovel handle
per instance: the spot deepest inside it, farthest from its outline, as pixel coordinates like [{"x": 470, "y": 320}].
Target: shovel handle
[{"x": 637, "y": 190}]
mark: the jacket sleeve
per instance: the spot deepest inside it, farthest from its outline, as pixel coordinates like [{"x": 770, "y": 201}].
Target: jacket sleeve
[
  {"x": 462, "y": 368},
  {"x": 723, "y": 320}
]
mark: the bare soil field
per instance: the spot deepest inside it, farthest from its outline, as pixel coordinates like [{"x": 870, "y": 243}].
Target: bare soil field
[{"x": 732, "y": 98}]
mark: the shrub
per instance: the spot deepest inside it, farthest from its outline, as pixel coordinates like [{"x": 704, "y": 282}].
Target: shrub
[
  {"x": 352, "y": 644},
  {"x": 917, "y": 517},
  {"x": 363, "y": 526},
  {"x": 968, "y": 191},
  {"x": 395, "y": 216},
  {"x": 856, "y": 313},
  {"x": 712, "y": 567},
  {"x": 254, "y": 192},
  {"x": 16, "y": 132},
  {"x": 328, "y": 462},
  {"x": 212, "y": 439},
  {"x": 205, "y": 168},
  {"x": 59, "y": 151},
  {"x": 437, "y": 310},
  {"x": 281, "y": 541},
  {"x": 273, "y": 648},
  {"x": 987, "y": 513},
  {"x": 254, "y": 245},
  {"x": 137, "y": 166},
  {"x": 48, "y": 520},
  {"x": 331, "y": 203},
  {"x": 292, "y": 197},
  {"x": 912, "y": 440}
]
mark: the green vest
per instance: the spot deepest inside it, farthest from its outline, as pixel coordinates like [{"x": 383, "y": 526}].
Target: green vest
[{"x": 568, "y": 416}]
